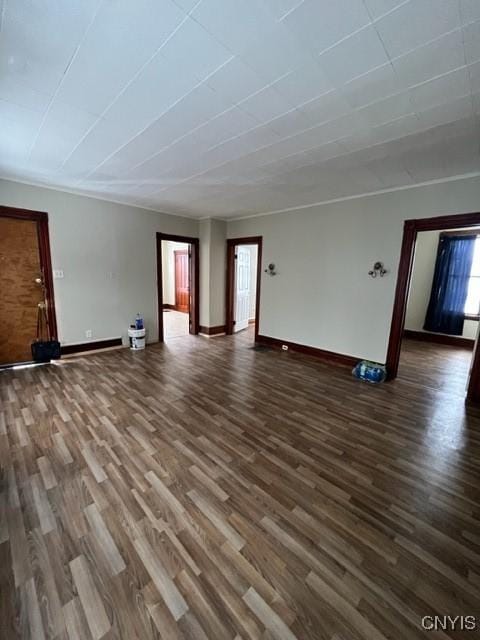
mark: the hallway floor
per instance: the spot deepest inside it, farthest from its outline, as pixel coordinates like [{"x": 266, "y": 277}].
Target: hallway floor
[{"x": 175, "y": 324}]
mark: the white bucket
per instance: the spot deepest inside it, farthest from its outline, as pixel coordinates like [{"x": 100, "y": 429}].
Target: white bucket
[{"x": 137, "y": 339}]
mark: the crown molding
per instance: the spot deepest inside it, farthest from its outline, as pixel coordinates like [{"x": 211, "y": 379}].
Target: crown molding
[
  {"x": 408, "y": 187},
  {"x": 82, "y": 194}
]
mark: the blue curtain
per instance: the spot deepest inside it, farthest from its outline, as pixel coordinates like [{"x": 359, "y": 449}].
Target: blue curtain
[{"x": 450, "y": 285}]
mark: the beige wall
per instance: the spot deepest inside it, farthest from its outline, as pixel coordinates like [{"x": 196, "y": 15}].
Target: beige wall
[
  {"x": 218, "y": 258},
  {"x": 108, "y": 254},
  {"x": 212, "y": 272},
  {"x": 421, "y": 284},
  {"x": 204, "y": 235},
  {"x": 322, "y": 295}
]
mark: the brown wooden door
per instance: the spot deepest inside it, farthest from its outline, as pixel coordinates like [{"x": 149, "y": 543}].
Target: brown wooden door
[
  {"x": 182, "y": 289},
  {"x": 20, "y": 293}
]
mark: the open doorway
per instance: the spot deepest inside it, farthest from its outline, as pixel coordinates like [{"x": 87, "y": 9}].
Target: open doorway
[
  {"x": 437, "y": 300},
  {"x": 244, "y": 258},
  {"x": 441, "y": 322},
  {"x": 177, "y": 281},
  {"x": 27, "y": 282}
]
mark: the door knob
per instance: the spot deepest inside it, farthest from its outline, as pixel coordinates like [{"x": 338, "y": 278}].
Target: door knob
[{"x": 38, "y": 280}]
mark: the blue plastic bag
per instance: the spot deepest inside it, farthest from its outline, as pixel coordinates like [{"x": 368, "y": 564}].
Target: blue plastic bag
[{"x": 370, "y": 371}]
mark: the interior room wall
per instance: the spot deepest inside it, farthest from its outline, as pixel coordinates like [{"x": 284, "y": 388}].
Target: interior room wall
[
  {"x": 204, "y": 235},
  {"x": 107, "y": 252},
  {"x": 218, "y": 263},
  {"x": 212, "y": 272},
  {"x": 322, "y": 295},
  {"x": 421, "y": 284},
  {"x": 168, "y": 268}
]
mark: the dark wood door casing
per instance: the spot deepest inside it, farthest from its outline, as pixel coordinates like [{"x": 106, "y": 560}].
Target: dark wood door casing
[
  {"x": 194, "y": 280},
  {"x": 230, "y": 280}
]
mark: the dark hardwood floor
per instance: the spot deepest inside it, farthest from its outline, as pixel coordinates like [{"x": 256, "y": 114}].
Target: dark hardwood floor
[
  {"x": 435, "y": 366},
  {"x": 203, "y": 490}
]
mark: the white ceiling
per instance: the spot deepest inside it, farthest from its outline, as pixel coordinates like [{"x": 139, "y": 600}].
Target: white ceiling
[{"x": 235, "y": 107}]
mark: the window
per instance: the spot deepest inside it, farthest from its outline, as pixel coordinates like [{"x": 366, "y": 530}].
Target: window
[{"x": 472, "y": 304}]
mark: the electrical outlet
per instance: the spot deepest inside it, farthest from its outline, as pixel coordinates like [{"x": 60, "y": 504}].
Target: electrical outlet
[
  {"x": 284, "y": 347},
  {"x": 88, "y": 333},
  {"x": 58, "y": 273}
]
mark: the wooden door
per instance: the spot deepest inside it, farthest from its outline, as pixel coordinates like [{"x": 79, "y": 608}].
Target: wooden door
[
  {"x": 182, "y": 278},
  {"x": 20, "y": 288},
  {"x": 242, "y": 288}
]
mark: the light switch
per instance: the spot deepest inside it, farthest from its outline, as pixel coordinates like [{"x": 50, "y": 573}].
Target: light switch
[{"x": 58, "y": 273}]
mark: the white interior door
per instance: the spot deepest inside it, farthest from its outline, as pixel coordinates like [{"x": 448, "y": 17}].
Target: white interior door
[{"x": 242, "y": 288}]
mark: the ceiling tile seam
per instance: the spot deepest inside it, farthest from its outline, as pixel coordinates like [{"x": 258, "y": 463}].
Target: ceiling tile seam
[
  {"x": 125, "y": 174},
  {"x": 344, "y": 39},
  {"x": 305, "y": 151},
  {"x": 156, "y": 119},
  {"x": 196, "y": 175},
  {"x": 132, "y": 79},
  {"x": 409, "y": 96},
  {"x": 373, "y": 22},
  {"x": 440, "y": 75},
  {"x": 387, "y": 13},
  {"x": 345, "y": 152},
  {"x": 282, "y": 18},
  {"x": 269, "y": 123},
  {"x": 381, "y": 39},
  {"x": 236, "y": 105},
  {"x": 412, "y": 86},
  {"x": 239, "y": 56},
  {"x": 458, "y": 177},
  {"x": 424, "y": 44},
  {"x": 64, "y": 75},
  {"x": 267, "y": 85}
]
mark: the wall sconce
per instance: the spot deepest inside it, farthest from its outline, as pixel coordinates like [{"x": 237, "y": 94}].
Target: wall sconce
[
  {"x": 378, "y": 270},
  {"x": 271, "y": 269}
]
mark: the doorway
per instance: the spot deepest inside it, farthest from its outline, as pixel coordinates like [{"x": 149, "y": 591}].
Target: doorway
[
  {"x": 244, "y": 259},
  {"x": 25, "y": 265},
  {"x": 412, "y": 229},
  {"x": 178, "y": 286}
]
